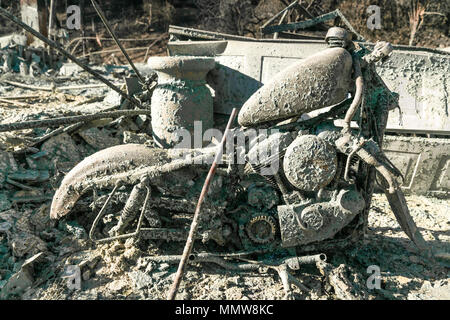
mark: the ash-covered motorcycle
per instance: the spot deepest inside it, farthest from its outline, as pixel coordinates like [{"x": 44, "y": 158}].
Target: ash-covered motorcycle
[{"x": 305, "y": 184}]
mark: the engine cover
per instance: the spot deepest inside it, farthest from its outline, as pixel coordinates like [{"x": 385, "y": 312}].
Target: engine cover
[
  {"x": 305, "y": 223},
  {"x": 310, "y": 163}
]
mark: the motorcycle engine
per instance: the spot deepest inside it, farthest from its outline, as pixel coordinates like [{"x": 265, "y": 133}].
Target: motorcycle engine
[{"x": 308, "y": 171}]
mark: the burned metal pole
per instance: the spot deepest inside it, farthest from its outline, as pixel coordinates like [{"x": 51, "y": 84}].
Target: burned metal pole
[
  {"x": 67, "y": 55},
  {"x": 69, "y": 120},
  {"x": 51, "y": 19},
  {"x": 50, "y": 33},
  {"x": 311, "y": 22},
  {"x": 116, "y": 40},
  {"x": 190, "y": 240},
  {"x": 293, "y": 4}
]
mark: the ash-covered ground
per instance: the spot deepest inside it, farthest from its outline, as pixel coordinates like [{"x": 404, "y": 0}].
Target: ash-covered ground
[{"x": 35, "y": 250}]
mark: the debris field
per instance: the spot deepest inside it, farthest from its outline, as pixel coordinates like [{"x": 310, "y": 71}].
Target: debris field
[
  {"x": 54, "y": 114},
  {"x": 35, "y": 249}
]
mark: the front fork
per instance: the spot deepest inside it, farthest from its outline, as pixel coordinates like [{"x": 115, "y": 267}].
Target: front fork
[
  {"x": 369, "y": 152},
  {"x": 138, "y": 201},
  {"x": 132, "y": 207}
]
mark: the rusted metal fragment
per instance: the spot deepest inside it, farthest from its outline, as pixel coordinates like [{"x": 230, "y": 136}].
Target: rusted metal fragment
[
  {"x": 319, "y": 81},
  {"x": 68, "y": 120}
]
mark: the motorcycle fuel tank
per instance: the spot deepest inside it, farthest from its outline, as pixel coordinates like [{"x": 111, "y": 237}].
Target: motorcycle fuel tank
[{"x": 319, "y": 81}]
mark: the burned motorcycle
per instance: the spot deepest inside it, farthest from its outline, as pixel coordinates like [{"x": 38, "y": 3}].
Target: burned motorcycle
[{"x": 306, "y": 183}]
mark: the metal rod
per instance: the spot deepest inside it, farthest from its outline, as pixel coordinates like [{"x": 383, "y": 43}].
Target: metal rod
[
  {"x": 144, "y": 207},
  {"x": 68, "y": 120},
  {"x": 127, "y": 235},
  {"x": 50, "y": 28},
  {"x": 67, "y": 55},
  {"x": 275, "y": 35},
  {"x": 314, "y": 21},
  {"x": 116, "y": 40},
  {"x": 111, "y": 51},
  {"x": 26, "y": 86},
  {"x": 202, "y": 34},
  {"x": 102, "y": 210},
  {"x": 50, "y": 18},
  {"x": 22, "y": 104},
  {"x": 348, "y": 24},
  {"x": 22, "y": 97},
  {"x": 152, "y": 44},
  {"x": 279, "y": 13},
  {"x": 301, "y": 24},
  {"x": 54, "y": 133},
  {"x": 108, "y": 39},
  {"x": 190, "y": 240}
]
